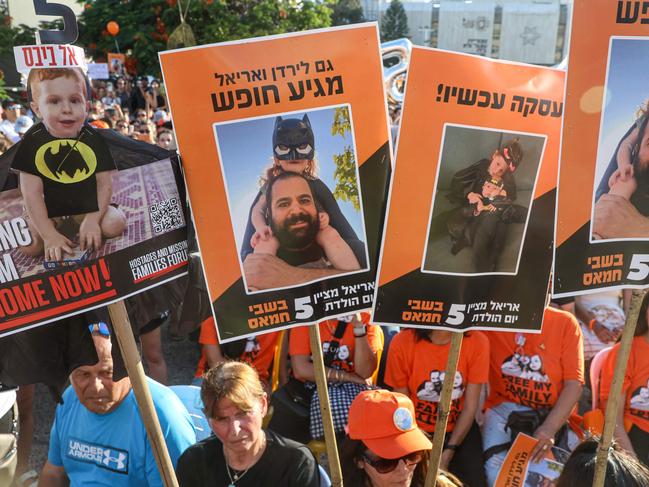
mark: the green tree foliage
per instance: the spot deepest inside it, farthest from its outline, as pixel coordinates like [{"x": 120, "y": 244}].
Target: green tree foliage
[
  {"x": 345, "y": 173},
  {"x": 145, "y": 25},
  {"x": 14, "y": 36},
  {"x": 394, "y": 24},
  {"x": 346, "y": 12}
]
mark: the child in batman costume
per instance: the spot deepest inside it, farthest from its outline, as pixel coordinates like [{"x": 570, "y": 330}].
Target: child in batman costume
[
  {"x": 65, "y": 169},
  {"x": 293, "y": 151}
]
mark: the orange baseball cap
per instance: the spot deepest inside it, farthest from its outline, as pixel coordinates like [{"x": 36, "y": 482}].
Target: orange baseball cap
[{"x": 385, "y": 422}]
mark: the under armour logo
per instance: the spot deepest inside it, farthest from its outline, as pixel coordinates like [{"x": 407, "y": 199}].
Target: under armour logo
[{"x": 114, "y": 462}]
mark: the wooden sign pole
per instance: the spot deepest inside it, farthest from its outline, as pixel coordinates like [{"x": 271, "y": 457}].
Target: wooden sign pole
[
  {"x": 444, "y": 409},
  {"x": 325, "y": 407},
  {"x": 126, "y": 340},
  {"x": 613, "y": 403}
]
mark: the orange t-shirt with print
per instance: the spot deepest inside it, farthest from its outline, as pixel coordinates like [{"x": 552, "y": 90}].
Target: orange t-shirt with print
[
  {"x": 419, "y": 364},
  {"x": 259, "y": 350},
  {"x": 636, "y": 382},
  {"x": 529, "y": 368},
  {"x": 300, "y": 344}
]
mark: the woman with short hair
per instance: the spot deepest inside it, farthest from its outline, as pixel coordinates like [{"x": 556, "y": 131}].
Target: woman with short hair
[{"x": 242, "y": 454}]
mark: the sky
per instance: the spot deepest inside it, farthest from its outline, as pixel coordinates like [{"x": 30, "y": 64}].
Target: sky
[
  {"x": 627, "y": 88},
  {"x": 245, "y": 150}
]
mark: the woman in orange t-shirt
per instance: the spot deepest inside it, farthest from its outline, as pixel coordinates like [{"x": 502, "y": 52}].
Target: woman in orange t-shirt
[
  {"x": 416, "y": 363},
  {"x": 258, "y": 351},
  {"x": 541, "y": 372},
  {"x": 352, "y": 361},
  {"x": 635, "y": 390}
]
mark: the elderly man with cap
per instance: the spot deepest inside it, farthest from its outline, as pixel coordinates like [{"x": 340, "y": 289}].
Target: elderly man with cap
[
  {"x": 98, "y": 437},
  {"x": 384, "y": 447}
]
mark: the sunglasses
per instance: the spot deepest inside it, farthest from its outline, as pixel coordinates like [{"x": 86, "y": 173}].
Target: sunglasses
[
  {"x": 141, "y": 115},
  {"x": 387, "y": 465}
]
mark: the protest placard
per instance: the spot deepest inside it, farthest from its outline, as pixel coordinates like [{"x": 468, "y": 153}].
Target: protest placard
[
  {"x": 98, "y": 71},
  {"x": 75, "y": 232},
  {"x": 116, "y": 64},
  {"x": 471, "y": 207},
  {"x": 286, "y": 149},
  {"x": 519, "y": 470},
  {"x": 602, "y": 235}
]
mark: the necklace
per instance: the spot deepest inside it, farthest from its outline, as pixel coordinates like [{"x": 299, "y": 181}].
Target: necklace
[{"x": 237, "y": 475}]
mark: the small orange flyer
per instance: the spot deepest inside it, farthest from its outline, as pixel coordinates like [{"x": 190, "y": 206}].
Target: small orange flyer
[
  {"x": 519, "y": 470},
  {"x": 285, "y": 145},
  {"x": 472, "y": 200},
  {"x": 602, "y": 235}
]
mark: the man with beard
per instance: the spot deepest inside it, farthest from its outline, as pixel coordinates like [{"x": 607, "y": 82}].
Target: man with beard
[{"x": 309, "y": 249}]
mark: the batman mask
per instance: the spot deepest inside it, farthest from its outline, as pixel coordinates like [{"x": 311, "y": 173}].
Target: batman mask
[{"x": 293, "y": 139}]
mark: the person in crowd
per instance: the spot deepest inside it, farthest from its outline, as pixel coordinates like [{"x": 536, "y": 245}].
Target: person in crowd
[
  {"x": 257, "y": 351},
  {"x": 98, "y": 436},
  {"x": 122, "y": 126},
  {"x": 416, "y": 363},
  {"x": 8, "y": 435},
  {"x": 140, "y": 95},
  {"x": 534, "y": 379},
  {"x": 108, "y": 98},
  {"x": 622, "y": 470},
  {"x": 144, "y": 131},
  {"x": 383, "y": 446},
  {"x": 122, "y": 93},
  {"x": 632, "y": 428},
  {"x": 10, "y": 112},
  {"x": 97, "y": 110},
  {"x": 156, "y": 99},
  {"x": 165, "y": 139},
  {"x": 22, "y": 125},
  {"x": 350, "y": 345},
  {"x": 241, "y": 453}
]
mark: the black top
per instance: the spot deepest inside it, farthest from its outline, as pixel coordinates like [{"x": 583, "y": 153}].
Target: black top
[
  {"x": 471, "y": 178},
  {"x": 67, "y": 167},
  {"x": 285, "y": 463}
]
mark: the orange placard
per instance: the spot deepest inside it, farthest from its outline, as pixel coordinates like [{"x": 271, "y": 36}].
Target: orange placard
[
  {"x": 116, "y": 64},
  {"x": 473, "y": 195},
  {"x": 519, "y": 470},
  {"x": 603, "y": 203},
  {"x": 285, "y": 144}
]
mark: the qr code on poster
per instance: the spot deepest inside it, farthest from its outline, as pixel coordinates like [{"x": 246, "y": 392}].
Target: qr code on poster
[{"x": 166, "y": 215}]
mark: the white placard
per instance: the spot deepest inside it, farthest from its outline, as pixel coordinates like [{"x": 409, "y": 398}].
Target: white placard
[
  {"x": 48, "y": 56},
  {"x": 529, "y": 32},
  {"x": 98, "y": 71},
  {"x": 466, "y": 27}
]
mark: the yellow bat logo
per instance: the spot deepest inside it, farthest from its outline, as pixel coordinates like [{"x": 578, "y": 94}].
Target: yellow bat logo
[{"x": 66, "y": 161}]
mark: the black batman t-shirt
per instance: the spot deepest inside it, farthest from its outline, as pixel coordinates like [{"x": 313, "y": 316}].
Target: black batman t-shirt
[{"x": 67, "y": 167}]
